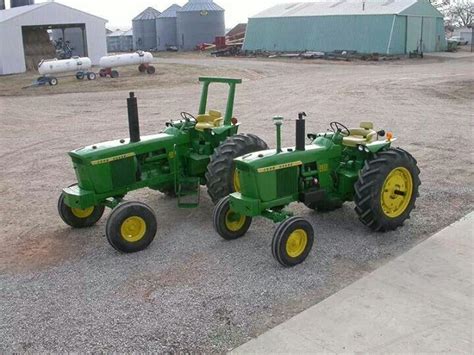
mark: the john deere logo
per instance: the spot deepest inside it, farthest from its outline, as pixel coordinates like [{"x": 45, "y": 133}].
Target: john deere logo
[{"x": 204, "y": 13}]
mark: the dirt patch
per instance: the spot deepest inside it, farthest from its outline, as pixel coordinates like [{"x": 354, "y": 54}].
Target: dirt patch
[{"x": 39, "y": 251}]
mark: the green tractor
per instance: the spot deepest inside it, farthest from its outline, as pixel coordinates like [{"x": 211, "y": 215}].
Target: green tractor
[
  {"x": 190, "y": 152},
  {"x": 340, "y": 165}
]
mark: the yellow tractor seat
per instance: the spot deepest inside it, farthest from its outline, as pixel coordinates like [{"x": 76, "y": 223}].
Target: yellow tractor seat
[
  {"x": 210, "y": 120},
  {"x": 361, "y": 136}
]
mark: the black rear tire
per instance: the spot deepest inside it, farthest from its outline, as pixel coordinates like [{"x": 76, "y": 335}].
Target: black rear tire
[
  {"x": 221, "y": 169},
  {"x": 114, "y": 74},
  {"x": 373, "y": 190},
  {"x": 151, "y": 70},
  {"x": 228, "y": 224},
  {"x": 131, "y": 227},
  {"x": 292, "y": 241}
]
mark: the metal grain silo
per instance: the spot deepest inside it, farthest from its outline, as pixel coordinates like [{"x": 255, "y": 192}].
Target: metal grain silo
[
  {"x": 166, "y": 28},
  {"x": 199, "y": 21},
  {"x": 144, "y": 30},
  {"x": 18, "y": 3}
]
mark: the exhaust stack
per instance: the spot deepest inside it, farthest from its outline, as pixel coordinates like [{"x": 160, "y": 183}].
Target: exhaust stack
[
  {"x": 133, "y": 122},
  {"x": 301, "y": 132}
]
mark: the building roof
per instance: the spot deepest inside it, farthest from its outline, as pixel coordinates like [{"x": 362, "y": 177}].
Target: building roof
[
  {"x": 148, "y": 14},
  {"x": 8, "y": 14},
  {"x": 201, "y": 5},
  {"x": 237, "y": 30},
  {"x": 170, "y": 12},
  {"x": 342, "y": 7},
  {"x": 120, "y": 33}
]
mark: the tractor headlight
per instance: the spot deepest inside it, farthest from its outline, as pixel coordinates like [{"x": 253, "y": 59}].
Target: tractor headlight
[
  {"x": 367, "y": 150},
  {"x": 361, "y": 148}
]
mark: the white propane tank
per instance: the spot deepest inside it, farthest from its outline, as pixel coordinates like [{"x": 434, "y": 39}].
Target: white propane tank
[
  {"x": 53, "y": 66},
  {"x": 120, "y": 60}
]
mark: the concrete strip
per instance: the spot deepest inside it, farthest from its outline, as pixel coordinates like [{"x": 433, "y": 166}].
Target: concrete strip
[{"x": 420, "y": 302}]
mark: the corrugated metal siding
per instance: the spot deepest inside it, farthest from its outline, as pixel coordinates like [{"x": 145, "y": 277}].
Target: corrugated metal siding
[
  {"x": 144, "y": 34},
  {"x": 195, "y": 28},
  {"x": 365, "y": 34},
  {"x": 398, "y": 43},
  {"x": 166, "y": 32},
  {"x": 441, "y": 35}
]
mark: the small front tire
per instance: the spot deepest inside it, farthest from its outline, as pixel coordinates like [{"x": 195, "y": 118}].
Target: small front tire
[
  {"x": 131, "y": 227},
  {"x": 78, "y": 218},
  {"x": 114, "y": 74},
  {"x": 91, "y": 76},
  {"x": 228, "y": 224},
  {"x": 292, "y": 241},
  {"x": 150, "y": 70},
  {"x": 53, "y": 81}
]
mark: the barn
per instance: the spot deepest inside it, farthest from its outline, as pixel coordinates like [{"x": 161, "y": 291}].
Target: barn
[
  {"x": 372, "y": 26},
  {"x": 26, "y": 30}
]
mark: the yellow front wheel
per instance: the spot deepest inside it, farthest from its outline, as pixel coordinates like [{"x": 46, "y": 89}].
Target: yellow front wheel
[
  {"x": 79, "y": 218},
  {"x": 292, "y": 241},
  {"x": 229, "y": 224},
  {"x": 131, "y": 227}
]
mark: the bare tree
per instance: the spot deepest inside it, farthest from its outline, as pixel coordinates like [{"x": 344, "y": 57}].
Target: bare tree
[{"x": 458, "y": 13}]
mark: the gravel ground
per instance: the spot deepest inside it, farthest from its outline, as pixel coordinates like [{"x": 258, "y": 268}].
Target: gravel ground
[{"x": 68, "y": 290}]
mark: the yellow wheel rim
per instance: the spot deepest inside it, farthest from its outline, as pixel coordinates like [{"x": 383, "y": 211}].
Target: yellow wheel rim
[
  {"x": 236, "y": 181},
  {"x": 77, "y": 212},
  {"x": 234, "y": 221},
  {"x": 296, "y": 243},
  {"x": 133, "y": 229},
  {"x": 397, "y": 192}
]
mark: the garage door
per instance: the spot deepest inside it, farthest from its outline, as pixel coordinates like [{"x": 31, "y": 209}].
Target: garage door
[{"x": 414, "y": 31}]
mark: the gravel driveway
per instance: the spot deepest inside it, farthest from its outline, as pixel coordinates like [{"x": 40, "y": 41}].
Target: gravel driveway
[{"x": 68, "y": 290}]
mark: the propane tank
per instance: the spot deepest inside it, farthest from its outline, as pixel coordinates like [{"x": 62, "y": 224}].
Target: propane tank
[
  {"x": 53, "y": 66},
  {"x": 120, "y": 60}
]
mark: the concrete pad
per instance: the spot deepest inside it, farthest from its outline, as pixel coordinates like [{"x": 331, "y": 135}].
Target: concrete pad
[{"x": 420, "y": 302}]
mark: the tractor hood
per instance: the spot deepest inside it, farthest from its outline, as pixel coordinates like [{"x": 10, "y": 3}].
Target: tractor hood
[
  {"x": 270, "y": 160},
  {"x": 120, "y": 149}
]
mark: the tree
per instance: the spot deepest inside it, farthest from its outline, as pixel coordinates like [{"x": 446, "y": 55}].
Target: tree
[{"x": 458, "y": 13}]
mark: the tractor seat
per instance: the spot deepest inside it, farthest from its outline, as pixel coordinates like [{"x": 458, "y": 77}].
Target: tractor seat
[
  {"x": 210, "y": 120},
  {"x": 361, "y": 136}
]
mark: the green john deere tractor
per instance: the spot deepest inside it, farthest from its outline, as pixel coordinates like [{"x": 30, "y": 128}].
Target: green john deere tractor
[
  {"x": 340, "y": 165},
  {"x": 190, "y": 152}
]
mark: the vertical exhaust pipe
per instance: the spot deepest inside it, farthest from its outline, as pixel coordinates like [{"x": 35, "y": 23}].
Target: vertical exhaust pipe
[
  {"x": 133, "y": 123},
  {"x": 301, "y": 132}
]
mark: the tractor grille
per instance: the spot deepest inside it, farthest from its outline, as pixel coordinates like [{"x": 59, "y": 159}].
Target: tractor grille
[
  {"x": 287, "y": 182},
  {"x": 123, "y": 172}
]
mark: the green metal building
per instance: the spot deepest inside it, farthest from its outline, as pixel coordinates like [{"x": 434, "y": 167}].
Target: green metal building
[{"x": 385, "y": 27}]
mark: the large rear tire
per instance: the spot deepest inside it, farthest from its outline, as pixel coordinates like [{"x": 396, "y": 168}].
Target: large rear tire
[
  {"x": 386, "y": 191},
  {"x": 220, "y": 176}
]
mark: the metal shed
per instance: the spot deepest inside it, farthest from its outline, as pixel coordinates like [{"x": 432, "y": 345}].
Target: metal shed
[
  {"x": 120, "y": 41},
  {"x": 16, "y": 23},
  {"x": 199, "y": 21},
  {"x": 166, "y": 28},
  {"x": 144, "y": 30},
  {"x": 385, "y": 26}
]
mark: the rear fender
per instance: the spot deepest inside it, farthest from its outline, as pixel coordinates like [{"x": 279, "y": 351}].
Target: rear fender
[{"x": 380, "y": 145}]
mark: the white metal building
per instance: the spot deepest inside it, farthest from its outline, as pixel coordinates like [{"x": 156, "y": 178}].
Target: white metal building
[{"x": 49, "y": 15}]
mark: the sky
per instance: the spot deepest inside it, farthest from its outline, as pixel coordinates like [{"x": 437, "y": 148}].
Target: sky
[{"x": 120, "y": 13}]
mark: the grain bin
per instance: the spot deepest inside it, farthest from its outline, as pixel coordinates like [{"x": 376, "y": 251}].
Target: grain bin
[
  {"x": 144, "y": 30},
  {"x": 199, "y": 21},
  {"x": 166, "y": 31},
  {"x": 18, "y": 3}
]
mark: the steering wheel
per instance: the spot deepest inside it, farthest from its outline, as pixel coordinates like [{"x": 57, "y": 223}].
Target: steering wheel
[
  {"x": 339, "y": 127},
  {"x": 187, "y": 116}
]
